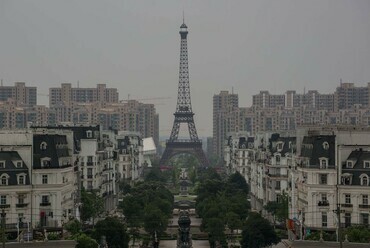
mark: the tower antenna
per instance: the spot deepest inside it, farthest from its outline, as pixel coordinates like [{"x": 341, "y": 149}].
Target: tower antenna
[{"x": 183, "y": 16}]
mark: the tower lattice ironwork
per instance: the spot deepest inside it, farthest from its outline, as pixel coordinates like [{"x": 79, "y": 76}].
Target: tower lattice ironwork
[{"x": 184, "y": 113}]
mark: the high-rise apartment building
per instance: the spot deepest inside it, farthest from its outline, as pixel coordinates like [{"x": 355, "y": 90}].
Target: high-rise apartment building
[
  {"x": 225, "y": 118},
  {"x": 291, "y": 99},
  {"x": 19, "y": 93},
  {"x": 347, "y": 94},
  {"x": 66, "y": 94}
]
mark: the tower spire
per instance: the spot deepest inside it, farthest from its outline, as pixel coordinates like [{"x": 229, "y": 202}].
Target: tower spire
[{"x": 184, "y": 113}]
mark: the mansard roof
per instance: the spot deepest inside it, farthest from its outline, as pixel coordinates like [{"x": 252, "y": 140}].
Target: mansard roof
[
  {"x": 246, "y": 142},
  {"x": 358, "y": 157},
  {"x": 51, "y": 146},
  {"x": 10, "y": 157},
  {"x": 316, "y": 147},
  {"x": 79, "y": 132}
]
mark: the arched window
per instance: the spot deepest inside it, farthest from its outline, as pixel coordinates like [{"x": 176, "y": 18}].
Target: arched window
[
  {"x": 22, "y": 179},
  {"x": 364, "y": 180},
  {"x": 4, "y": 179},
  {"x": 43, "y": 146}
]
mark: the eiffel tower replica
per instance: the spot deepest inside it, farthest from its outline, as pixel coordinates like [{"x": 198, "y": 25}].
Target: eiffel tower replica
[{"x": 184, "y": 113}]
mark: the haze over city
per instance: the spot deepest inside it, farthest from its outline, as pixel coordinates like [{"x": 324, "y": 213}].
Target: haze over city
[{"x": 244, "y": 46}]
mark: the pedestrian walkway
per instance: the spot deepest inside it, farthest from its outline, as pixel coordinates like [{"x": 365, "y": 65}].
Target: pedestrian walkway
[{"x": 172, "y": 244}]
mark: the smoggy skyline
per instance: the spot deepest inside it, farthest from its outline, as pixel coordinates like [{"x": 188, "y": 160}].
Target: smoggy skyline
[{"x": 134, "y": 46}]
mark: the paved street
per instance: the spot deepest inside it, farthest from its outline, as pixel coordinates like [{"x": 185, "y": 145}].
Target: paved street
[{"x": 172, "y": 244}]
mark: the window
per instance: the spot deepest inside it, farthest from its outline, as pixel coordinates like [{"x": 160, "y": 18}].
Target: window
[
  {"x": 349, "y": 164},
  {"x": 45, "y": 162},
  {"x": 347, "y": 219},
  {"x": 366, "y": 164},
  {"x": 323, "y": 178},
  {"x": 277, "y": 186},
  {"x": 2, "y": 164},
  {"x": 21, "y": 198},
  {"x": 346, "y": 179},
  {"x": 89, "y": 134},
  {"x": 323, "y": 163},
  {"x": 19, "y": 164},
  {"x": 324, "y": 197},
  {"x": 277, "y": 159},
  {"x": 89, "y": 159},
  {"x": 45, "y": 199},
  {"x": 4, "y": 180},
  {"x": 347, "y": 198},
  {"x": 365, "y": 199},
  {"x": 3, "y": 200},
  {"x": 21, "y": 179},
  {"x": 280, "y": 146},
  {"x": 324, "y": 219},
  {"x": 43, "y": 146},
  {"x": 325, "y": 145},
  {"x": 44, "y": 179},
  {"x": 364, "y": 218},
  {"x": 364, "y": 180}
]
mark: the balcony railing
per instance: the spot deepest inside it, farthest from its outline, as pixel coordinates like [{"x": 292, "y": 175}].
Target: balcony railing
[
  {"x": 5, "y": 206},
  {"x": 364, "y": 206},
  {"x": 89, "y": 176},
  {"x": 21, "y": 205},
  {"x": 347, "y": 205},
  {"x": 44, "y": 204},
  {"x": 323, "y": 203},
  {"x": 90, "y": 163}
]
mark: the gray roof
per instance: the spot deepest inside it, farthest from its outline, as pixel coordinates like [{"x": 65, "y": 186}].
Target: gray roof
[
  {"x": 358, "y": 156},
  {"x": 10, "y": 168},
  {"x": 313, "y": 148},
  {"x": 56, "y": 147}
]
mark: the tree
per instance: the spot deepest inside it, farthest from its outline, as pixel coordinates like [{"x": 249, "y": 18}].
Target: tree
[
  {"x": 359, "y": 234},
  {"x": 92, "y": 205},
  {"x": 114, "y": 232},
  {"x": 74, "y": 227},
  {"x": 257, "y": 232},
  {"x": 237, "y": 182},
  {"x": 84, "y": 241}
]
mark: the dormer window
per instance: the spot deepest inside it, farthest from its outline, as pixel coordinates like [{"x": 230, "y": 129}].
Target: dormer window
[
  {"x": 279, "y": 146},
  {"x": 2, "y": 164},
  {"x": 43, "y": 146},
  {"x": 4, "y": 179},
  {"x": 18, "y": 164},
  {"x": 45, "y": 162},
  {"x": 89, "y": 134},
  {"x": 364, "y": 180},
  {"x": 325, "y": 145},
  {"x": 346, "y": 179},
  {"x": 323, "y": 163},
  {"x": 367, "y": 164},
  {"x": 349, "y": 164},
  {"x": 22, "y": 179}
]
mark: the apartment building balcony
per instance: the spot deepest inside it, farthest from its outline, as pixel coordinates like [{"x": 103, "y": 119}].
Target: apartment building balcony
[
  {"x": 21, "y": 205},
  {"x": 364, "y": 206},
  {"x": 5, "y": 206},
  {"x": 90, "y": 176},
  {"x": 45, "y": 204},
  {"x": 277, "y": 175},
  {"x": 346, "y": 205},
  {"x": 323, "y": 204},
  {"x": 90, "y": 163}
]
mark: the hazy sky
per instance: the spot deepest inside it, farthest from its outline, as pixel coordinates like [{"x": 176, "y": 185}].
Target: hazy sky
[{"x": 134, "y": 46}]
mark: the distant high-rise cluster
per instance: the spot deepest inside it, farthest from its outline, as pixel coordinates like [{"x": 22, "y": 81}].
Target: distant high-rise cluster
[
  {"x": 348, "y": 105},
  {"x": 76, "y": 106}
]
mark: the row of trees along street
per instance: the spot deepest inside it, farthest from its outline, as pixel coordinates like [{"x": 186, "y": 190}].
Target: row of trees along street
[{"x": 224, "y": 208}]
